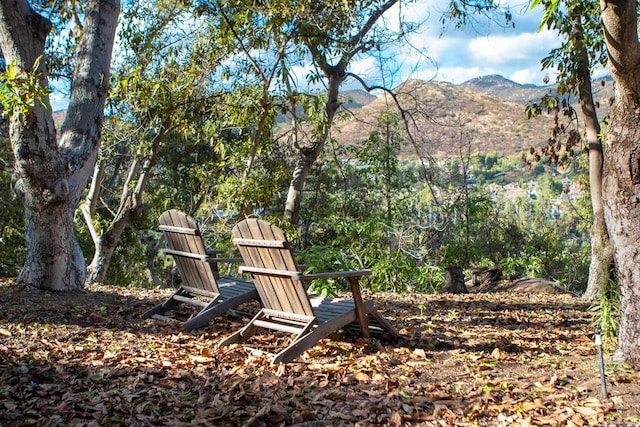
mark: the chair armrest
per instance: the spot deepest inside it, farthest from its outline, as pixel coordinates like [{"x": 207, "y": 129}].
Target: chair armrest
[
  {"x": 294, "y": 275},
  {"x": 217, "y": 260},
  {"x": 213, "y": 251},
  {"x": 336, "y": 274}
]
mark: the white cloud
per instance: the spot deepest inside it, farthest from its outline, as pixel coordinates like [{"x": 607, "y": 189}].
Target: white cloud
[
  {"x": 503, "y": 50},
  {"x": 365, "y": 67},
  {"x": 299, "y": 74},
  {"x": 529, "y": 75},
  {"x": 488, "y": 48}
]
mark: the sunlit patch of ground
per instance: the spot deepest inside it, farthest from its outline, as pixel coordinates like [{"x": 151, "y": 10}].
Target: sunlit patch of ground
[{"x": 478, "y": 359}]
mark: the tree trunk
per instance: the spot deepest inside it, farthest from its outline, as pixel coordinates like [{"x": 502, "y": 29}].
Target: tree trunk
[
  {"x": 130, "y": 208},
  {"x": 621, "y": 175},
  {"x": 54, "y": 259},
  {"x": 294, "y": 195},
  {"x": 105, "y": 245},
  {"x": 454, "y": 281},
  {"x": 52, "y": 173},
  {"x": 601, "y": 252},
  {"x": 308, "y": 155},
  {"x": 622, "y": 210}
]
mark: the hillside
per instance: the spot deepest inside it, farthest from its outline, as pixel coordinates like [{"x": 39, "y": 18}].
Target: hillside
[
  {"x": 447, "y": 118},
  {"x": 485, "y": 114}
]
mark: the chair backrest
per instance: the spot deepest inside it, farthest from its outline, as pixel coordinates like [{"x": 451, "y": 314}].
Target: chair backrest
[
  {"x": 185, "y": 243},
  {"x": 268, "y": 257}
]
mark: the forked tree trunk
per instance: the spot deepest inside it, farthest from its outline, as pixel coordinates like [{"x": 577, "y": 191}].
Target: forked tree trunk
[
  {"x": 130, "y": 207},
  {"x": 335, "y": 74},
  {"x": 52, "y": 173},
  {"x": 105, "y": 246},
  {"x": 309, "y": 154},
  {"x": 621, "y": 183}
]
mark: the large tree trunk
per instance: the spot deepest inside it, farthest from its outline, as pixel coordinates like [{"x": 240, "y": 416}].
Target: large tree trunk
[
  {"x": 52, "y": 173},
  {"x": 601, "y": 251},
  {"x": 621, "y": 183},
  {"x": 309, "y": 154}
]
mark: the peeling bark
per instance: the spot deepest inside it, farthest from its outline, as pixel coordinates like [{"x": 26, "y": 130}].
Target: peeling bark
[{"x": 621, "y": 191}]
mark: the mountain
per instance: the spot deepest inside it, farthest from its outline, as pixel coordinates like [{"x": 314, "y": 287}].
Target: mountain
[
  {"x": 447, "y": 118},
  {"x": 356, "y": 99},
  {"x": 482, "y": 115},
  {"x": 508, "y": 90},
  {"x": 523, "y": 94}
]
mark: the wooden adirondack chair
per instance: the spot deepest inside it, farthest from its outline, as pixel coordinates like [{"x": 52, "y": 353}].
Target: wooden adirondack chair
[
  {"x": 287, "y": 306},
  {"x": 201, "y": 285}
]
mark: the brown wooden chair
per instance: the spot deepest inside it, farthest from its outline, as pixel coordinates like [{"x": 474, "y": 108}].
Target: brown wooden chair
[
  {"x": 287, "y": 306},
  {"x": 201, "y": 285}
]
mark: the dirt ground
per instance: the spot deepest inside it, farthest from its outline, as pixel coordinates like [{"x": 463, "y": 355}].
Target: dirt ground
[{"x": 496, "y": 359}]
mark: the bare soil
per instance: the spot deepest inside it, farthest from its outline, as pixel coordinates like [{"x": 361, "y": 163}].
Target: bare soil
[{"x": 501, "y": 359}]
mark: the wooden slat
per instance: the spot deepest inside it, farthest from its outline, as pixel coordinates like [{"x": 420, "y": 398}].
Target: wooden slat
[
  {"x": 186, "y": 254},
  {"x": 278, "y": 326},
  {"x": 165, "y": 318},
  {"x": 295, "y": 275},
  {"x": 261, "y": 243},
  {"x": 181, "y": 230},
  {"x": 191, "y": 301},
  {"x": 198, "y": 291},
  {"x": 287, "y": 316},
  {"x": 188, "y": 250}
]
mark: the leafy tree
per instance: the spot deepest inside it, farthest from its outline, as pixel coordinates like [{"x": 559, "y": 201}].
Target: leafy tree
[
  {"x": 582, "y": 48},
  {"x": 160, "y": 92},
  {"x": 260, "y": 82},
  {"x": 176, "y": 93},
  {"x": 53, "y": 168}
]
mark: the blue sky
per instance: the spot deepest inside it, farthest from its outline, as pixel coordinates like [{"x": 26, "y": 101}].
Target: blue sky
[
  {"x": 457, "y": 55},
  {"x": 491, "y": 48},
  {"x": 487, "y": 47}
]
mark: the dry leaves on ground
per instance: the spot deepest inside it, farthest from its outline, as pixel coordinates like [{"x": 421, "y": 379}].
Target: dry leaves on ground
[{"x": 502, "y": 359}]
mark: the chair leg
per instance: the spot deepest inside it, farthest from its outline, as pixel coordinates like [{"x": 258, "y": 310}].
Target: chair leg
[
  {"x": 215, "y": 308},
  {"x": 165, "y": 306},
  {"x": 315, "y": 334},
  {"x": 386, "y": 325},
  {"x": 243, "y": 334}
]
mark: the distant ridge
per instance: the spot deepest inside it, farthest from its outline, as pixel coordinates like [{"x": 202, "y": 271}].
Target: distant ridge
[
  {"x": 487, "y": 113},
  {"x": 446, "y": 117},
  {"x": 508, "y": 90}
]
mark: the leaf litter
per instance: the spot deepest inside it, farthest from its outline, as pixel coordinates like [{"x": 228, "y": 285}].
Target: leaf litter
[{"x": 86, "y": 358}]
